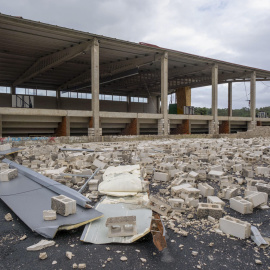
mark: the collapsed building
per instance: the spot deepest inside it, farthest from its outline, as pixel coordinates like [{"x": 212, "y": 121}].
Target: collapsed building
[{"x": 63, "y": 82}]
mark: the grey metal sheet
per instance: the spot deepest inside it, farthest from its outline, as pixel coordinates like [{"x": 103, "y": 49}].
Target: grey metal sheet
[
  {"x": 28, "y": 199},
  {"x": 77, "y": 150},
  {"x": 49, "y": 183},
  {"x": 96, "y": 232},
  {"x": 257, "y": 237},
  {"x": 10, "y": 151}
]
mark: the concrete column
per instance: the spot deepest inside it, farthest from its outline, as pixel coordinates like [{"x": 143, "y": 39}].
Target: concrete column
[
  {"x": 63, "y": 127},
  {"x": 138, "y": 126},
  {"x": 131, "y": 128},
  {"x": 1, "y": 127},
  {"x": 224, "y": 127},
  {"x": 129, "y": 103},
  {"x": 95, "y": 84},
  {"x": 67, "y": 125},
  {"x": 13, "y": 90},
  {"x": 58, "y": 100},
  {"x": 253, "y": 99},
  {"x": 164, "y": 90},
  {"x": 230, "y": 99},
  {"x": 215, "y": 98},
  {"x": 158, "y": 104},
  {"x": 90, "y": 122},
  {"x": 184, "y": 128}
]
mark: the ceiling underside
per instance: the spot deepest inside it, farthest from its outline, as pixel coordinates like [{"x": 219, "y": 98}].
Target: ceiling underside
[{"x": 41, "y": 56}]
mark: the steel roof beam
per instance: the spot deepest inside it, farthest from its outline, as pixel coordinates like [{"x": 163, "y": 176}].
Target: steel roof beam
[
  {"x": 49, "y": 61},
  {"x": 110, "y": 70}
]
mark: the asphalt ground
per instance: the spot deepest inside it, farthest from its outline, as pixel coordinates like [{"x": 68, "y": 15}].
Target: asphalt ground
[{"x": 223, "y": 253}]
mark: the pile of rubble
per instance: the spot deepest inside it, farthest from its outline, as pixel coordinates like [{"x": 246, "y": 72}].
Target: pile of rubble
[{"x": 192, "y": 183}]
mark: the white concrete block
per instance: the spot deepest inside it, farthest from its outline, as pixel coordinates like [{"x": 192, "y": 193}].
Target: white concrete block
[
  {"x": 257, "y": 198},
  {"x": 176, "y": 190},
  {"x": 4, "y": 167},
  {"x": 241, "y": 205},
  {"x": 8, "y": 175},
  {"x": 190, "y": 192},
  {"x": 161, "y": 176},
  {"x": 215, "y": 200},
  {"x": 235, "y": 227},
  {"x": 177, "y": 204},
  {"x": 229, "y": 192},
  {"x": 5, "y": 147},
  {"x": 49, "y": 215},
  {"x": 205, "y": 189},
  {"x": 237, "y": 167},
  {"x": 215, "y": 175},
  {"x": 99, "y": 164}
]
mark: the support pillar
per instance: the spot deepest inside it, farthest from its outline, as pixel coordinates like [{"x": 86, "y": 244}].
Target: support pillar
[
  {"x": 63, "y": 127},
  {"x": 58, "y": 99},
  {"x": 138, "y": 126},
  {"x": 215, "y": 127},
  {"x": 158, "y": 104},
  {"x": 131, "y": 128},
  {"x": 224, "y": 127},
  {"x": 128, "y": 103},
  {"x": 95, "y": 85},
  {"x": 1, "y": 127},
  {"x": 164, "y": 91},
  {"x": 13, "y": 90},
  {"x": 67, "y": 125},
  {"x": 184, "y": 128},
  {"x": 252, "y": 125},
  {"x": 230, "y": 99},
  {"x": 91, "y": 122}
]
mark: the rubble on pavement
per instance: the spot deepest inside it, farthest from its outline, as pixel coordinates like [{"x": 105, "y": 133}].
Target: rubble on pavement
[{"x": 197, "y": 186}]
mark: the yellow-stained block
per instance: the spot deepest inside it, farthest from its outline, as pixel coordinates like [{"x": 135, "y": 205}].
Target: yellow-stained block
[{"x": 183, "y": 98}]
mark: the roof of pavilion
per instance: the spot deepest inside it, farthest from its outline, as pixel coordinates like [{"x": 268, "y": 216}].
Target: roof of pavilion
[{"x": 42, "y": 56}]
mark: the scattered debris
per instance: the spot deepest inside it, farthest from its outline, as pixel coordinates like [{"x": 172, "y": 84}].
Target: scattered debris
[
  {"x": 257, "y": 238},
  {"x": 23, "y": 237},
  {"x": 43, "y": 255},
  {"x": 69, "y": 255},
  {"x": 8, "y": 217},
  {"x": 49, "y": 215},
  {"x": 63, "y": 205},
  {"x": 123, "y": 258},
  {"x": 41, "y": 245},
  {"x": 190, "y": 187},
  {"x": 258, "y": 261}
]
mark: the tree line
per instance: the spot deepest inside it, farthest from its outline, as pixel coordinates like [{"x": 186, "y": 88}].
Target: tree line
[{"x": 243, "y": 112}]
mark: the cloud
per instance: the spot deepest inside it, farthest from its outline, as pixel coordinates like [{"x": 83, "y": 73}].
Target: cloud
[{"x": 229, "y": 30}]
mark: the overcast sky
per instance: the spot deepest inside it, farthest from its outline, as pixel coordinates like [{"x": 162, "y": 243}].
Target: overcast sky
[{"x": 237, "y": 31}]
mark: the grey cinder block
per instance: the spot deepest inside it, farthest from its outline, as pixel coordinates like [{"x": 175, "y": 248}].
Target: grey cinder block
[{"x": 63, "y": 205}]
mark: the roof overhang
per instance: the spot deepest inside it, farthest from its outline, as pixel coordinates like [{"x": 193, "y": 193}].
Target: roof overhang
[{"x": 42, "y": 56}]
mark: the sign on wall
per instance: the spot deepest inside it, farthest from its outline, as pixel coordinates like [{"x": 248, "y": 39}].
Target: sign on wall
[{"x": 22, "y": 101}]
